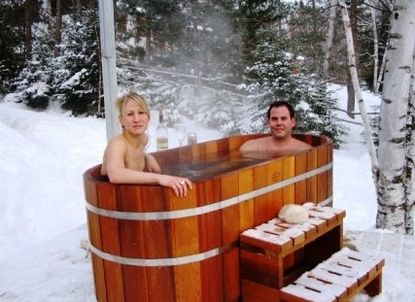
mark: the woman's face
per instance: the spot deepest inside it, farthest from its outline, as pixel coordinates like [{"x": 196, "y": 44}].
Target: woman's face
[{"x": 133, "y": 118}]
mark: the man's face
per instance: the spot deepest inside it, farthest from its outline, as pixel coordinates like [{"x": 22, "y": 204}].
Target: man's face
[{"x": 280, "y": 122}]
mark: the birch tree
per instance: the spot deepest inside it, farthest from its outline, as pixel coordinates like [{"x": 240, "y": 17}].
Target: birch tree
[
  {"x": 329, "y": 37},
  {"x": 382, "y": 68},
  {"x": 396, "y": 136},
  {"x": 388, "y": 6},
  {"x": 356, "y": 86},
  {"x": 375, "y": 49}
]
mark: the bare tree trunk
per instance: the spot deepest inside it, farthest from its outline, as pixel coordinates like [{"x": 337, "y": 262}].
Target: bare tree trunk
[
  {"x": 375, "y": 49},
  {"x": 351, "y": 98},
  {"x": 148, "y": 39},
  {"x": 78, "y": 7},
  {"x": 356, "y": 86},
  {"x": 329, "y": 37},
  {"x": 28, "y": 10},
  {"x": 396, "y": 150},
  {"x": 350, "y": 87},
  {"x": 58, "y": 27}
]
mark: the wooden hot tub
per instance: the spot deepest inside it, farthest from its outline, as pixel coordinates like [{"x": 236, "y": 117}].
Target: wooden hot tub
[{"x": 149, "y": 245}]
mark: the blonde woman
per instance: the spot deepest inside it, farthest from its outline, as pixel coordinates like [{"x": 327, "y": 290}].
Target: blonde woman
[{"x": 125, "y": 160}]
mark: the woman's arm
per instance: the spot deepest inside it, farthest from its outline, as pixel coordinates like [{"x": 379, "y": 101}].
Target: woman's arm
[
  {"x": 152, "y": 164},
  {"x": 119, "y": 173}
]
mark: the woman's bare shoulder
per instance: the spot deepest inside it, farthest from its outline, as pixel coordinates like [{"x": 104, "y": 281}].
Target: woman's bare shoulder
[
  {"x": 117, "y": 142},
  {"x": 115, "y": 150}
]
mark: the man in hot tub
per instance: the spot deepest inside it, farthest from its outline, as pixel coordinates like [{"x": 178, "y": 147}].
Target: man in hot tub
[{"x": 281, "y": 121}]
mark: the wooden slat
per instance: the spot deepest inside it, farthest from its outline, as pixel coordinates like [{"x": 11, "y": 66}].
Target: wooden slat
[
  {"x": 275, "y": 198},
  {"x": 230, "y": 275},
  {"x": 234, "y": 142},
  {"x": 198, "y": 152},
  {"x": 187, "y": 282},
  {"x": 266, "y": 240},
  {"x": 261, "y": 202},
  {"x": 327, "y": 216},
  {"x": 301, "y": 186},
  {"x": 327, "y": 276},
  {"x": 246, "y": 209},
  {"x": 230, "y": 235},
  {"x": 340, "y": 277},
  {"x": 110, "y": 243},
  {"x": 210, "y": 237},
  {"x": 185, "y": 241},
  {"x": 95, "y": 239},
  {"x": 310, "y": 230},
  {"x": 312, "y": 181},
  {"x": 306, "y": 294},
  {"x": 296, "y": 235},
  {"x": 97, "y": 263},
  {"x": 288, "y": 168},
  {"x": 210, "y": 224},
  {"x": 330, "y": 172},
  {"x": 334, "y": 289},
  {"x": 211, "y": 148},
  {"x": 254, "y": 292},
  {"x": 132, "y": 245},
  {"x": 212, "y": 279},
  {"x": 322, "y": 177},
  {"x": 230, "y": 215}
]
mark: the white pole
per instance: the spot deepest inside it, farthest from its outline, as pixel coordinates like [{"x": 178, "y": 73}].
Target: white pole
[{"x": 109, "y": 72}]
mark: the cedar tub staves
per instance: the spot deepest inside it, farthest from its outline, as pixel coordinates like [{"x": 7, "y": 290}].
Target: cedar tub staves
[{"x": 149, "y": 245}]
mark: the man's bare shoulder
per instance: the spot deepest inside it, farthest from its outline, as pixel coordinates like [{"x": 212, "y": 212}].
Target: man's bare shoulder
[
  {"x": 255, "y": 144},
  {"x": 300, "y": 145}
]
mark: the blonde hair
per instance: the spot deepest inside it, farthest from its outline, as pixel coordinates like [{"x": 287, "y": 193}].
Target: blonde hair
[{"x": 132, "y": 96}]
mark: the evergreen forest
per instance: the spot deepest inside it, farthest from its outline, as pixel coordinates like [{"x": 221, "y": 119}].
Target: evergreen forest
[{"x": 220, "y": 63}]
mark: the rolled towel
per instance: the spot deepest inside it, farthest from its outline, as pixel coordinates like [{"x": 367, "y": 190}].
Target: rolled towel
[{"x": 293, "y": 213}]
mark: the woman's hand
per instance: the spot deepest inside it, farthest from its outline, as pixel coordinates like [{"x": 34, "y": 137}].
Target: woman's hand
[{"x": 179, "y": 185}]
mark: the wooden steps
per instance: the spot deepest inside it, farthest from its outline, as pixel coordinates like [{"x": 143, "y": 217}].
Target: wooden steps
[
  {"x": 338, "y": 278},
  {"x": 275, "y": 253}
]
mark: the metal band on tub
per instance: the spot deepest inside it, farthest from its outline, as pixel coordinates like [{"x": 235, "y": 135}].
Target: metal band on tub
[
  {"x": 166, "y": 215},
  {"x": 161, "y": 261}
]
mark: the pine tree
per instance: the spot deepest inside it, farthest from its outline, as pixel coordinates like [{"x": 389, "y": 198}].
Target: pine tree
[
  {"x": 160, "y": 23},
  {"x": 317, "y": 116},
  {"x": 277, "y": 75},
  {"x": 11, "y": 43},
  {"x": 34, "y": 80},
  {"x": 307, "y": 33},
  {"x": 77, "y": 71},
  {"x": 259, "y": 15}
]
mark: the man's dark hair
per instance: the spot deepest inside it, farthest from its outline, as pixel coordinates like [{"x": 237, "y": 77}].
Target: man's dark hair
[{"x": 277, "y": 104}]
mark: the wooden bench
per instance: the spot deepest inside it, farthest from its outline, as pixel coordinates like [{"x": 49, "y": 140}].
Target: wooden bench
[
  {"x": 276, "y": 253},
  {"x": 338, "y": 278}
]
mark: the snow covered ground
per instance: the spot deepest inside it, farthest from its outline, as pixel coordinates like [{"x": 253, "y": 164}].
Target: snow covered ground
[{"x": 43, "y": 156}]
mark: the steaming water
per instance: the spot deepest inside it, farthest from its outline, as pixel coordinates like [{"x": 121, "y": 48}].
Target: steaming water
[{"x": 211, "y": 165}]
